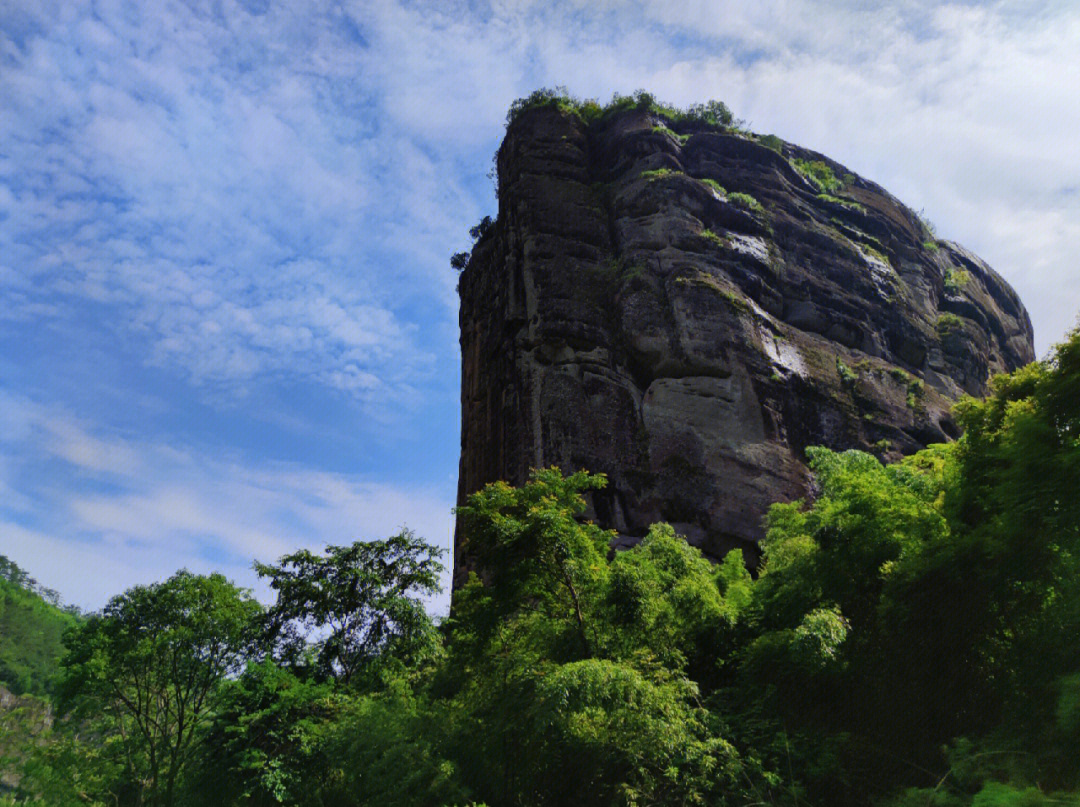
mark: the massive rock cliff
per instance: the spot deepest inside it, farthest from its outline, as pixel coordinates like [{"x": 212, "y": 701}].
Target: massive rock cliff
[{"x": 686, "y": 308}]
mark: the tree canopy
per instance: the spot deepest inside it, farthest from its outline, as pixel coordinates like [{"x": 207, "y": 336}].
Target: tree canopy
[
  {"x": 32, "y": 626},
  {"x": 365, "y": 597},
  {"x": 150, "y": 665},
  {"x": 910, "y": 638}
]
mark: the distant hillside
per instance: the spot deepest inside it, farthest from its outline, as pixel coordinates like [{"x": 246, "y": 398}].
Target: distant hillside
[{"x": 31, "y": 629}]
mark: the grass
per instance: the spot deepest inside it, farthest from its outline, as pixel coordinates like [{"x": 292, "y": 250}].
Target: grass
[
  {"x": 947, "y": 323},
  {"x": 658, "y": 173},
  {"x": 732, "y": 299},
  {"x": 682, "y": 138},
  {"x": 597, "y": 284},
  {"x": 746, "y": 201},
  {"x": 955, "y": 280},
  {"x": 633, "y": 272},
  {"x": 854, "y": 233},
  {"x": 709, "y": 234},
  {"x": 931, "y": 245},
  {"x": 819, "y": 174},
  {"x": 716, "y": 186},
  {"x": 836, "y": 200},
  {"x": 873, "y": 253}
]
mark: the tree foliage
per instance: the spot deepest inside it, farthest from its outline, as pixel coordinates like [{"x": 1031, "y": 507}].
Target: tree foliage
[
  {"x": 32, "y": 626},
  {"x": 575, "y": 660},
  {"x": 711, "y": 114},
  {"x": 363, "y": 596},
  {"x": 150, "y": 665},
  {"x": 911, "y": 638}
]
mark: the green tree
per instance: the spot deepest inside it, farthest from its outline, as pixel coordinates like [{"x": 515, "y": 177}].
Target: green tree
[
  {"x": 534, "y": 550},
  {"x": 570, "y": 664},
  {"x": 394, "y": 748},
  {"x": 265, "y": 745},
  {"x": 816, "y": 660},
  {"x": 31, "y": 632},
  {"x": 364, "y": 597},
  {"x": 664, "y": 598},
  {"x": 915, "y": 605},
  {"x": 150, "y": 666}
]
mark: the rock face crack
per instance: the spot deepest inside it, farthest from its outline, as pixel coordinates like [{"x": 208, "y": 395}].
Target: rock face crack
[{"x": 686, "y": 312}]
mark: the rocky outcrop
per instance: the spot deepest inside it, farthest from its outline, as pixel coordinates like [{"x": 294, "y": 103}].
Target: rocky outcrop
[{"x": 687, "y": 308}]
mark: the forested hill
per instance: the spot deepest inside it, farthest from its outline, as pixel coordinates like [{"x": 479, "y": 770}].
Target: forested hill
[{"x": 32, "y": 625}]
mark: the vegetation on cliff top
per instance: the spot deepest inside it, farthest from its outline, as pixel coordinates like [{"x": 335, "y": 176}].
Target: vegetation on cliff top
[
  {"x": 911, "y": 639},
  {"x": 712, "y": 113}
]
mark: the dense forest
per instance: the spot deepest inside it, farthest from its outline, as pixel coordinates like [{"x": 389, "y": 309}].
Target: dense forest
[
  {"x": 911, "y": 638},
  {"x": 32, "y": 625}
]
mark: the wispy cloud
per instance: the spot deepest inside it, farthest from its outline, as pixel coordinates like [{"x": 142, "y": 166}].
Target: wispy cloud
[
  {"x": 217, "y": 187},
  {"x": 91, "y": 514}
]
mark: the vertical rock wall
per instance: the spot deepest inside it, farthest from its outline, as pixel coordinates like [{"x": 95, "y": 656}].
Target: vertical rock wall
[{"x": 683, "y": 309}]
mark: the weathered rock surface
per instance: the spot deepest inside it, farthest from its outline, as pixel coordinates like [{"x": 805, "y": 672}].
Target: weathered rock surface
[{"x": 690, "y": 344}]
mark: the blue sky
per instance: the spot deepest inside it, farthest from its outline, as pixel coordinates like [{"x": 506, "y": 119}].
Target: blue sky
[{"x": 228, "y": 326}]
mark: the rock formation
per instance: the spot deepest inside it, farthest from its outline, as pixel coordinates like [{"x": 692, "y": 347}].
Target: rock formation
[{"x": 686, "y": 308}]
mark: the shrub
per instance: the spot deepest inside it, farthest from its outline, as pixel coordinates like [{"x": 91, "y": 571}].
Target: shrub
[
  {"x": 716, "y": 186},
  {"x": 847, "y": 375},
  {"x": 459, "y": 260},
  {"x": 929, "y": 230},
  {"x": 711, "y": 113},
  {"x": 819, "y": 174},
  {"x": 947, "y": 323},
  {"x": 658, "y": 173},
  {"x": 915, "y": 393},
  {"x": 955, "y": 280},
  {"x": 481, "y": 229},
  {"x": 714, "y": 113},
  {"x": 773, "y": 142},
  {"x": 556, "y": 97},
  {"x": 747, "y": 201}
]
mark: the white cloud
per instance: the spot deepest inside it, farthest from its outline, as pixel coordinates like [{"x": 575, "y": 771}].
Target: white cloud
[
  {"x": 161, "y": 159},
  {"x": 110, "y": 512}
]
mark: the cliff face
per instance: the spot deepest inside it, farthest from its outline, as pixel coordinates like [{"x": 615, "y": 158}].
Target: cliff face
[{"x": 687, "y": 310}]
